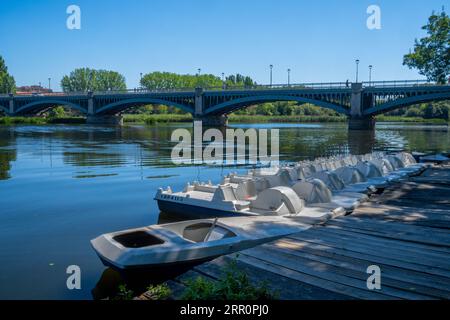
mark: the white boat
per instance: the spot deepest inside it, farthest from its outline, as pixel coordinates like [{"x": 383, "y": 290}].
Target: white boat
[
  {"x": 274, "y": 191},
  {"x": 225, "y": 200},
  {"x": 188, "y": 242}
]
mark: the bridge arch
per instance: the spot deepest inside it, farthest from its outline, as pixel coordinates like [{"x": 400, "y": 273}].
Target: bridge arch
[
  {"x": 39, "y": 105},
  {"x": 404, "y": 102},
  {"x": 240, "y": 103},
  {"x": 4, "y": 109},
  {"x": 120, "y": 106}
]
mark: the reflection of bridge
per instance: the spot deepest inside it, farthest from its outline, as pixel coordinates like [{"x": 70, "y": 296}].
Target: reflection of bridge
[{"x": 359, "y": 101}]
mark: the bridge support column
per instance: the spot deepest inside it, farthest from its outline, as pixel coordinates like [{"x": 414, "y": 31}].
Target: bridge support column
[
  {"x": 361, "y": 123},
  {"x": 90, "y": 103},
  {"x": 11, "y": 104},
  {"x": 357, "y": 120},
  {"x": 111, "y": 120},
  {"x": 213, "y": 120}
]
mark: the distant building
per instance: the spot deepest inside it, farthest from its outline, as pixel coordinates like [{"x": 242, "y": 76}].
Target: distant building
[{"x": 32, "y": 89}]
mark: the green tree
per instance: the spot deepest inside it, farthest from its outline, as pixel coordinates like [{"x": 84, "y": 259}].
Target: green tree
[
  {"x": 85, "y": 79},
  {"x": 7, "y": 82},
  {"x": 169, "y": 80},
  {"x": 431, "y": 55},
  {"x": 413, "y": 112},
  {"x": 57, "y": 112}
]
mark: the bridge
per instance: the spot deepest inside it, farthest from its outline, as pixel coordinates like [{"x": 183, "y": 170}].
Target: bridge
[{"x": 360, "y": 102}]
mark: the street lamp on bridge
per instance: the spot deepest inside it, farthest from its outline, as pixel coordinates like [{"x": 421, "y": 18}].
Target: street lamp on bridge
[
  {"x": 357, "y": 69},
  {"x": 271, "y": 67},
  {"x": 223, "y": 80},
  {"x": 49, "y": 81},
  {"x": 370, "y": 75},
  {"x": 289, "y": 76}
]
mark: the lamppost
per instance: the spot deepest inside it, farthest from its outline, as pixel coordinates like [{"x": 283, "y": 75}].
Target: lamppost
[
  {"x": 357, "y": 69},
  {"x": 271, "y": 67},
  {"x": 370, "y": 75},
  {"x": 289, "y": 76},
  {"x": 223, "y": 80},
  {"x": 49, "y": 81},
  {"x": 199, "y": 70}
]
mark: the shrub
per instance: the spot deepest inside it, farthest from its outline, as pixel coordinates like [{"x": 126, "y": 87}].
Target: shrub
[
  {"x": 158, "y": 292},
  {"x": 232, "y": 285}
]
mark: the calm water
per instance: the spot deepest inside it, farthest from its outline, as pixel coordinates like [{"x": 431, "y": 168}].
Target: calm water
[{"x": 61, "y": 186}]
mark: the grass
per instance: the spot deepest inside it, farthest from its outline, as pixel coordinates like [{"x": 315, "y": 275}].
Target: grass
[
  {"x": 151, "y": 119},
  {"x": 39, "y": 120},
  {"x": 384, "y": 118},
  {"x": 156, "y": 118},
  {"x": 154, "y": 292},
  {"x": 232, "y": 285},
  {"x": 294, "y": 118}
]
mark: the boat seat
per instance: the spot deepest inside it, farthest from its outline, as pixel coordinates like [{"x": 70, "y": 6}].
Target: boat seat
[
  {"x": 205, "y": 188},
  {"x": 278, "y": 200}
]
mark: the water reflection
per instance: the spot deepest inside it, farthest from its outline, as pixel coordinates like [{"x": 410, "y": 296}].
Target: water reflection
[
  {"x": 62, "y": 185},
  {"x": 361, "y": 141}
]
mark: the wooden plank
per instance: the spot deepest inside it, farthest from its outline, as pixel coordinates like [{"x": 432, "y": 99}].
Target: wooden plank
[
  {"x": 408, "y": 253},
  {"x": 325, "y": 272},
  {"x": 285, "y": 287},
  {"x": 376, "y": 257},
  {"x": 396, "y": 230},
  {"x": 409, "y": 220},
  {"x": 391, "y": 226},
  {"x": 413, "y": 238},
  {"x": 393, "y": 278},
  {"x": 409, "y": 275},
  {"x": 373, "y": 209},
  {"x": 401, "y": 245},
  {"x": 354, "y": 245},
  {"x": 315, "y": 281},
  {"x": 192, "y": 275}
]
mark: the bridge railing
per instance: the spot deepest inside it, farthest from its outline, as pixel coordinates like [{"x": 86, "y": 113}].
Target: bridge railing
[
  {"x": 399, "y": 83},
  {"x": 317, "y": 85}
]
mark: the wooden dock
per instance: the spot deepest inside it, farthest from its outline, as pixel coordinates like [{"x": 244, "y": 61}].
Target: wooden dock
[{"x": 405, "y": 231}]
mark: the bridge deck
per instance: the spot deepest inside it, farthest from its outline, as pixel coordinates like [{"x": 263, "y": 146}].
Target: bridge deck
[{"x": 405, "y": 231}]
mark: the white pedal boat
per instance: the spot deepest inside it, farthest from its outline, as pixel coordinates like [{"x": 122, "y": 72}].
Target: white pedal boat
[
  {"x": 225, "y": 200},
  {"x": 188, "y": 242}
]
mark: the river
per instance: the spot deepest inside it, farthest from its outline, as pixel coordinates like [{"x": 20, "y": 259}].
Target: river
[{"x": 62, "y": 185}]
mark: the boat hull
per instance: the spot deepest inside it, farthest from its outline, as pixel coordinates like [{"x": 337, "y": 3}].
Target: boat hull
[{"x": 191, "y": 211}]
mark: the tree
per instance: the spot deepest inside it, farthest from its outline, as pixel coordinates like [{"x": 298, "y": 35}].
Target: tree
[
  {"x": 431, "y": 54},
  {"x": 85, "y": 79},
  {"x": 57, "y": 112},
  {"x": 168, "y": 80},
  {"x": 7, "y": 82}
]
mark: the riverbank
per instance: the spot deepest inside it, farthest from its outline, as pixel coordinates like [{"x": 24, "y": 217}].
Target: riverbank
[{"x": 151, "y": 119}]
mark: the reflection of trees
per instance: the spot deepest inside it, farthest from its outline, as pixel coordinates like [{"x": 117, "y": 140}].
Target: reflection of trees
[
  {"x": 307, "y": 143},
  {"x": 6, "y": 155},
  {"x": 86, "y": 159},
  {"x": 430, "y": 139}
]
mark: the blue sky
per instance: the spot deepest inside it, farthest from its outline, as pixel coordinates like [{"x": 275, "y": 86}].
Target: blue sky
[{"x": 318, "y": 40}]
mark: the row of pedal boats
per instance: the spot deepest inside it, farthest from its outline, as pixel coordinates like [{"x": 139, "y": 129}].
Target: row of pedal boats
[{"x": 245, "y": 210}]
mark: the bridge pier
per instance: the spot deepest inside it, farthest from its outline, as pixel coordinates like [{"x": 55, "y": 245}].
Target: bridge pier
[
  {"x": 359, "y": 102},
  {"x": 11, "y": 104},
  {"x": 213, "y": 121},
  {"x": 111, "y": 120},
  {"x": 361, "y": 123}
]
